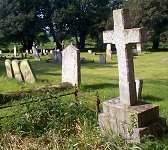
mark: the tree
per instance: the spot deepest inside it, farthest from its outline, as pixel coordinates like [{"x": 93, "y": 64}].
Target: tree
[
  {"x": 20, "y": 21},
  {"x": 80, "y": 18},
  {"x": 152, "y": 14}
]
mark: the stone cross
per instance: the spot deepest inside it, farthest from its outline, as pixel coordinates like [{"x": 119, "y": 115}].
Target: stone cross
[
  {"x": 71, "y": 65},
  {"x": 9, "y": 70},
  {"x": 27, "y": 72},
  {"x": 122, "y": 36}
]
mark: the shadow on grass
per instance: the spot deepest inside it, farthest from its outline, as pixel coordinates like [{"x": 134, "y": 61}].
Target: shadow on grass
[
  {"x": 152, "y": 98},
  {"x": 100, "y": 86}
]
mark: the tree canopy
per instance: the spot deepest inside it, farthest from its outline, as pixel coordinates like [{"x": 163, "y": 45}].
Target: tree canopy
[{"x": 27, "y": 21}]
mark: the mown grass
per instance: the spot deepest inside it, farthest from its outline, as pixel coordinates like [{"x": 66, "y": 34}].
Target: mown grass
[{"x": 151, "y": 67}]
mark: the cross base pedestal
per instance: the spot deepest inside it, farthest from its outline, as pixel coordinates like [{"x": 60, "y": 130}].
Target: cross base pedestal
[{"x": 132, "y": 122}]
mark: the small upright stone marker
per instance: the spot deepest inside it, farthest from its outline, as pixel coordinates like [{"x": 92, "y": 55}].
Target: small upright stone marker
[
  {"x": 108, "y": 51},
  {"x": 126, "y": 115},
  {"x": 27, "y": 72},
  {"x": 102, "y": 58},
  {"x": 9, "y": 70},
  {"x": 35, "y": 52},
  {"x": 15, "y": 51},
  {"x": 139, "y": 84},
  {"x": 139, "y": 48},
  {"x": 16, "y": 70},
  {"x": 71, "y": 65}
]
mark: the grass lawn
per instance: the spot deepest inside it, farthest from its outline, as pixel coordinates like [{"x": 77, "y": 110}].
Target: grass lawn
[{"x": 151, "y": 67}]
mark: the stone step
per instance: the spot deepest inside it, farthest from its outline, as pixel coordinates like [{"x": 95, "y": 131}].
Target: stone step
[{"x": 141, "y": 115}]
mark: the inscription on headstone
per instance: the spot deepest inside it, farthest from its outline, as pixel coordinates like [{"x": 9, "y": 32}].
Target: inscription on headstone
[{"x": 71, "y": 65}]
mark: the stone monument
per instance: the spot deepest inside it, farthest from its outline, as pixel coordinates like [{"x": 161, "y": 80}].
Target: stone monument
[
  {"x": 126, "y": 115},
  {"x": 9, "y": 70},
  {"x": 71, "y": 71},
  {"x": 102, "y": 58}
]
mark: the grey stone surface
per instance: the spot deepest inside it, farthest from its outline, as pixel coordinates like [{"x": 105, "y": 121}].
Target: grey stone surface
[
  {"x": 102, "y": 58},
  {"x": 132, "y": 122},
  {"x": 9, "y": 70},
  {"x": 57, "y": 56},
  {"x": 16, "y": 70},
  {"x": 27, "y": 72},
  {"x": 71, "y": 71}
]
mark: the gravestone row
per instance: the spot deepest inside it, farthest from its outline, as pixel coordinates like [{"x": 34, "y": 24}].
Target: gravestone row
[{"x": 21, "y": 70}]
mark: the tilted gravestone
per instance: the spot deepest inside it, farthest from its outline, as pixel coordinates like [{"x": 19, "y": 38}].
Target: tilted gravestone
[
  {"x": 126, "y": 115},
  {"x": 27, "y": 72},
  {"x": 9, "y": 70},
  {"x": 16, "y": 70},
  {"x": 71, "y": 65}
]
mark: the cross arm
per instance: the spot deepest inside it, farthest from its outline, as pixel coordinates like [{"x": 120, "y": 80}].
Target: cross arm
[
  {"x": 135, "y": 35},
  {"x": 108, "y": 37}
]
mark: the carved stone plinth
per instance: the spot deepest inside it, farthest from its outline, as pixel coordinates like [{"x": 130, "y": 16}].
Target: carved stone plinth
[{"x": 132, "y": 122}]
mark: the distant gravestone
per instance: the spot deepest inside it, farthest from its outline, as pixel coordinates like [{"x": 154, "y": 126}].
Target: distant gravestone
[
  {"x": 139, "y": 48},
  {"x": 57, "y": 56},
  {"x": 27, "y": 72},
  {"x": 139, "y": 84},
  {"x": 108, "y": 51},
  {"x": 126, "y": 115},
  {"x": 16, "y": 70},
  {"x": 9, "y": 70},
  {"x": 15, "y": 51},
  {"x": 35, "y": 52},
  {"x": 0, "y": 52},
  {"x": 90, "y": 51},
  {"x": 71, "y": 65},
  {"x": 102, "y": 58},
  {"x": 24, "y": 55}
]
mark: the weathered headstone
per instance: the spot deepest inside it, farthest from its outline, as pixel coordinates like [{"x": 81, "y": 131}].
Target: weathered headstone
[
  {"x": 126, "y": 115},
  {"x": 57, "y": 56},
  {"x": 35, "y": 52},
  {"x": 71, "y": 65},
  {"x": 139, "y": 84},
  {"x": 139, "y": 48},
  {"x": 0, "y": 52},
  {"x": 24, "y": 55},
  {"x": 102, "y": 58},
  {"x": 27, "y": 72},
  {"x": 108, "y": 51},
  {"x": 15, "y": 51},
  {"x": 27, "y": 52},
  {"x": 9, "y": 70},
  {"x": 16, "y": 70}
]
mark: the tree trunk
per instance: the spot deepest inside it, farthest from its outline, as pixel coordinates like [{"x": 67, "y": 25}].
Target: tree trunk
[
  {"x": 156, "y": 43},
  {"x": 82, "y": 40}
]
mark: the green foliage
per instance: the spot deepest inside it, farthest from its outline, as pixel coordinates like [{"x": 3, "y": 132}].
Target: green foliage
[{"x": 151, "y": 14}]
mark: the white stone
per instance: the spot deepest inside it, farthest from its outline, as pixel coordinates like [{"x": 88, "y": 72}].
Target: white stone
[
  {"x": 108, "y": 51},
  {"x": 14, "y": 51},
  {"x": 35, "y": 52},
  {"x": 71, "y": 72}
]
